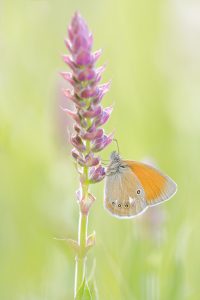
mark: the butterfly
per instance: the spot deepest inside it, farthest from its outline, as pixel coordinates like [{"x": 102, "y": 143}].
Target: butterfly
[{"x": 131, "y": 187}]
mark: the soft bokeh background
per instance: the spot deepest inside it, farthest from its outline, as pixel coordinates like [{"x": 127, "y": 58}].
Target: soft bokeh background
[{"x": 152, "y": 51}]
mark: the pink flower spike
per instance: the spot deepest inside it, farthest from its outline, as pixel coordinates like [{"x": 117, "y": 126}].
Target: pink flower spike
[{"x": 89, "y": 137}]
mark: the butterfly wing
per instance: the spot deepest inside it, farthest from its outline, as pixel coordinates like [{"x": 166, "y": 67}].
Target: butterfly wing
[
  {"x": 157, "y": 186},
  {"x": 121, "y": 194}
]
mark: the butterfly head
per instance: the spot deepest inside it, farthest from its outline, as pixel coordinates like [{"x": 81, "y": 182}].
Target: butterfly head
[
  {"x": 116, "y": 164},
  {"x": 115, "y": 157}
]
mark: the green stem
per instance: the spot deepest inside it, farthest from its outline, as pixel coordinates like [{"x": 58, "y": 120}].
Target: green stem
[
  {"x": 80, "y": 269},
  {"x": 81, "y": 258}
]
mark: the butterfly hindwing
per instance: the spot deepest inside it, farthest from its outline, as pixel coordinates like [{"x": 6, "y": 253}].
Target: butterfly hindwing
[{"x": 124, "y": 195}]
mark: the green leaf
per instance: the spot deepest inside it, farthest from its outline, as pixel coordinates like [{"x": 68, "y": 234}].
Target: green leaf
[{"x": 72, "y": 244}]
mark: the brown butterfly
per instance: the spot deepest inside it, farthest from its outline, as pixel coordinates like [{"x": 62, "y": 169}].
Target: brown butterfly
[{"x": 131, "y": 187}]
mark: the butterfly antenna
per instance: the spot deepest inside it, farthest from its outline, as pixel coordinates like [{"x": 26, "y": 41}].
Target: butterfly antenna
[{"x": 115, "y": 140}]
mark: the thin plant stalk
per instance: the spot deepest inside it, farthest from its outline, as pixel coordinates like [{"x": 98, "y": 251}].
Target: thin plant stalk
[{"x": 80, "y": 268}]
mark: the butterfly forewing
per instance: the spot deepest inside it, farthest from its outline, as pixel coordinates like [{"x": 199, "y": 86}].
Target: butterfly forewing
[{"x": 157, "y": 186}]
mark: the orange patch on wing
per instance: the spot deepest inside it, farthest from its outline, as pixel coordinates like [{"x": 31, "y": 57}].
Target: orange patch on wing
[{"x": 152, "y": 181}]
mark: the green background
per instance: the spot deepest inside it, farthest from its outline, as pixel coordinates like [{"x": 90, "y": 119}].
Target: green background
[{"x": 151, "y": 49}]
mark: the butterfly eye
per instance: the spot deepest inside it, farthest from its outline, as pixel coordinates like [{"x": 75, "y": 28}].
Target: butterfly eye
[
  {"x": 119, "y": 205},
  {"x": 138, "y": 192},
  {"x": 126, "y": 205}
]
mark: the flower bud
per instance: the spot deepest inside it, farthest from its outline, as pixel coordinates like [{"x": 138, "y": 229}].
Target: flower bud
[
  {"x": 91, "y": 160},
  {"x": 100, "y": 143},
  {"x": 74, "y": 98},
  {"x": 97, "y": 133},
  {"x": 77, "y": 143},
  {"x": 96, "y": 55},
  {"x": 103, "y": 118},
  {"x": 86, "y": 74},
  {"x": 85, "y": 204},
  {"x": 91, "y": 113},
  {"x": 69, "y": 61},
  {"x": 97, "y": 174},
  {"x": 84, "y": 58}
]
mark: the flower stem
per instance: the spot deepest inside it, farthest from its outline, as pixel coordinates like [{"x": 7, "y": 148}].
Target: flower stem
[
  {"x": 81, "y": 258},
  {"x": 80, "y": 269}
]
